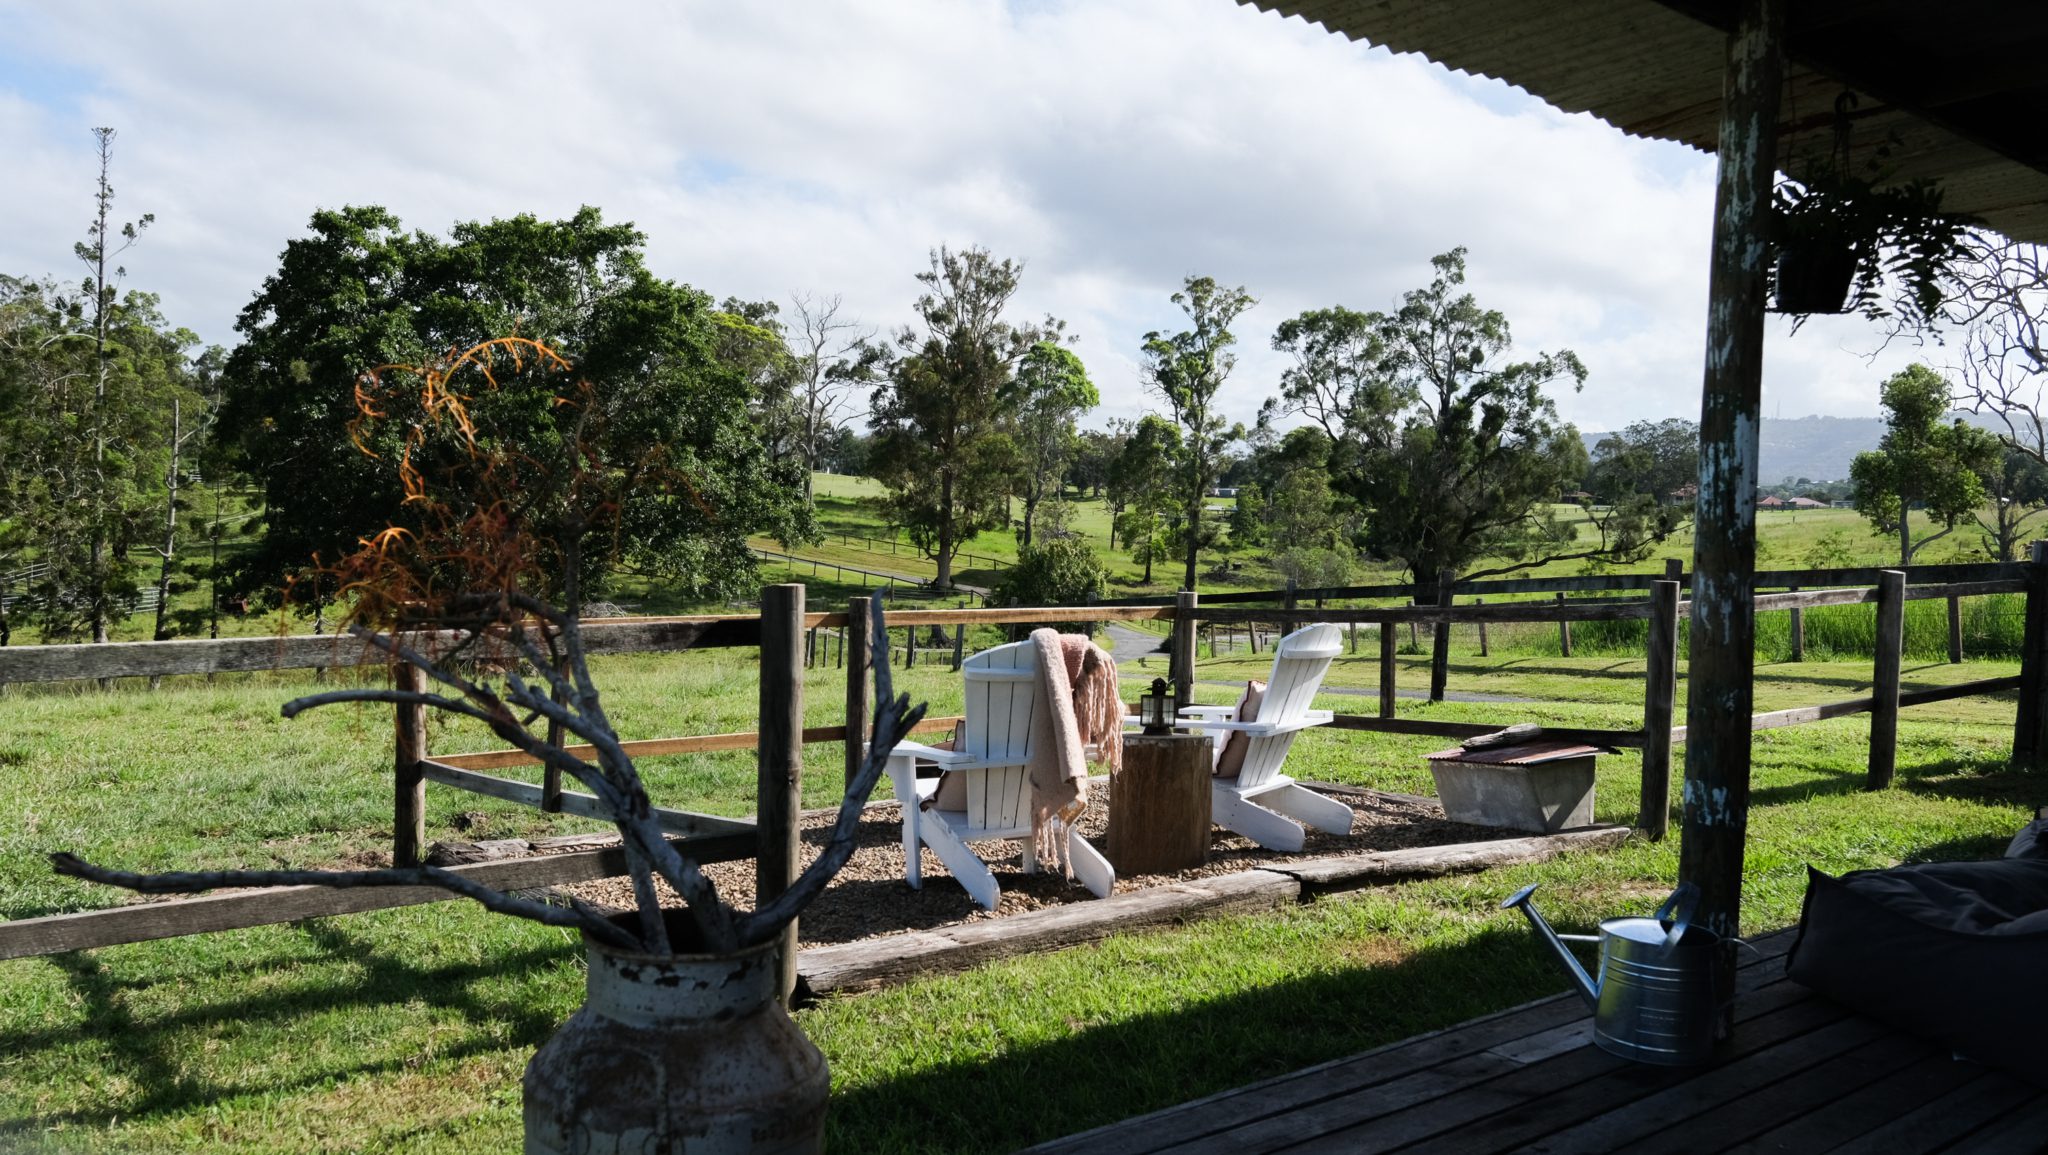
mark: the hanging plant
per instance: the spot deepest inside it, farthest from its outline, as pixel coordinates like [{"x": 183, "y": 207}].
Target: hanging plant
[{"x": 1842, "y": 235}]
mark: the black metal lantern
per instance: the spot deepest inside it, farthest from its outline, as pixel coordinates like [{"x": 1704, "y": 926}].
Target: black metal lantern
[{"x": 1155, "y": 709}]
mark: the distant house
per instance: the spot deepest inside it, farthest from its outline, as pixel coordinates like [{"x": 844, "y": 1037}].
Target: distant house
[
  {"x": 1842, "y": 505},
  {"x": 1686, "y": 492},
  {"x": 1224, "y": 491},
  {"x": 1579, "y": 497},
  {"x": 1774, "y": 503},
  {"x": 1805, "y": 503}
]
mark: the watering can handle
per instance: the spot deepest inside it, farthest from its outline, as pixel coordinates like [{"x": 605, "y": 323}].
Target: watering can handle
[{"x": 1678, "y": 910}]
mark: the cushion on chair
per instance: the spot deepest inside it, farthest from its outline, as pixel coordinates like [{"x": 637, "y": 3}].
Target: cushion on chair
[
  {"x": 1230, "y": 760},
  {"x": 952, "y": 791},
  {"x": 1954, "y": 951}
]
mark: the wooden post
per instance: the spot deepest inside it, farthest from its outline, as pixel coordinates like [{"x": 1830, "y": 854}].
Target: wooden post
[
  {"x": 1482, "y": 629},
  {"x": 1798, "y": 631},
  {"x": 409, "y": 788},
  {"x": 1660, "y": 691},
  {"x": 1414, "y": 641},
  {"x": 1674, "y": 569},
  {"x": 959, "y": 646},
  {"x": 810, "y": 648},
  {"x": 839, "y": 659},
  {"x": 1291, "y": 600},
  {"x": 1182, "y": 662},
  {"x": 1723, "y": 628},
  {"x": 1440, "y": 654},
  {"x": 1955, "y": 629},
  {"x": 1564, "y": 631},
  {"x": 2028, "y": 740},
  {"x": 1159, "y": 805},
  {"x": 1387, "y": 637},
  {"x": 1884, "y": 681},
  {"x": 1354, "y": 638},
  {"x": 858, "y": 661},
  {"x": 910, "y": 648},
  {"x": 778, "y": 801}
]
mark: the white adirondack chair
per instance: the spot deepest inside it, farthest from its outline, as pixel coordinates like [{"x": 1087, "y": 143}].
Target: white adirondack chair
[
  {"x": 1003, "y": 699},
  {"x": 1261, "y": 803}
]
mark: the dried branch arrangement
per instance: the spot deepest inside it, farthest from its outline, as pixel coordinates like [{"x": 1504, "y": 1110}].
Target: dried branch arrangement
[{"x": 549, "y": 640}]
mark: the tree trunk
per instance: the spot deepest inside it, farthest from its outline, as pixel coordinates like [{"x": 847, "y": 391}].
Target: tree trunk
[
  {"x": 1194, "y": 539},
  {"x": 1905, "y": 531},
  {"x": 170, "y": 549},
  {"x": 1030, "y": 514},
  {"x": 945, "y": 552}
]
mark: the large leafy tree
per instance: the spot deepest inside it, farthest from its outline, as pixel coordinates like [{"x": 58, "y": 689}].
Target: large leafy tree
[
  {"x": 647, "y": 403},
  {"x": 2016, "y": 488},
  {"x": 1922, "y": 460},
  {"x": 1648, "y": 459},
  {"x": 1185, "y": 370},
  {"x": 1049, "y": 393},
  {"x": 942, "y": 424},
  {"x": 1452, "y": 447}
]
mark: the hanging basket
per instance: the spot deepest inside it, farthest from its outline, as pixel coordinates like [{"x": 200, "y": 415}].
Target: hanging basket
[{"x": 1815, "y": 278}]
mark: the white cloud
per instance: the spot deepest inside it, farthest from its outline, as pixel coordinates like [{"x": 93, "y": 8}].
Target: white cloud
[{"x": 1117, "y": 146}]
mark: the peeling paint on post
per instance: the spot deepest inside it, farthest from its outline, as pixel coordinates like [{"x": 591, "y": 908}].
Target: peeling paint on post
[{"x": 1716, "y": 794}]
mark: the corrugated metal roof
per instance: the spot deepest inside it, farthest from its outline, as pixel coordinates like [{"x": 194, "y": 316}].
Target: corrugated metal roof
[{"x": 1655, "y": 72}]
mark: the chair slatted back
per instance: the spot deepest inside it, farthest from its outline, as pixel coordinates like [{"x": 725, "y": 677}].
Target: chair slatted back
[
  {"x": 1003, "y": 700},
  {"x": 1299, "y": 663}
]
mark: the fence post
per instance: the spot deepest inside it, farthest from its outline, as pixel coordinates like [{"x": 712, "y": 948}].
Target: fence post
[
  {"x": 1482, "y": 630},
  {"x": 779, "y": 783},
  {"x": 1182, "y": 661},
  {"x": 1354, "y": 638},
  {"x": 1674, "y": 569},
  {"x": 1440, "y": 656},
  {"x": 959, "y": 645},
  {"x": 1884, "y": 682},
  {"x": 1660, "y": 694},
  {"x": 810, "y": 648},
  {"x": 551, "y": 774},
  {"x": 1387, "y": 636},
  {"x": 409, "y": 787},
  {"x": 858, "y": 661},
  {"x": 1955, "y": 629},
  {"x": 2032, "y": 716},
  {"x": 1564, "y": 631},
  {"x": 910, "y": 648},
  {"x": 1292, "y": 600},
  {"x": 1798, "y": 631}
]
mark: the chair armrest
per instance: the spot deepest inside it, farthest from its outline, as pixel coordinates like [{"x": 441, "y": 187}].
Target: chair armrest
[
  {"x": 1264, "y": 729},
  {"x": 1220, "y": 713},
  {"x": 926, "y": 753}
]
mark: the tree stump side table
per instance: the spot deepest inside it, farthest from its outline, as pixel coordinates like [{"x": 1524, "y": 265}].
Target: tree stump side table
[{"x": 1159, "y": 804}]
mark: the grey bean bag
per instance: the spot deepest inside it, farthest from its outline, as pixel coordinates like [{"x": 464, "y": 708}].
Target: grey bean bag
[{"x": 1954, "y": 951}]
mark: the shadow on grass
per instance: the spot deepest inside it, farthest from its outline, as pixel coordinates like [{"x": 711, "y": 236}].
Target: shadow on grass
[
  {"x": 153, "y": 1055},
  {"x": 1107, "y": 1071},
  {"x": 1987, "y": 781}
]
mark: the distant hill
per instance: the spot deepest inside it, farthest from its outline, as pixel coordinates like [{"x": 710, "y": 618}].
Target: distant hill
[{"x": 1816, "y": 448}]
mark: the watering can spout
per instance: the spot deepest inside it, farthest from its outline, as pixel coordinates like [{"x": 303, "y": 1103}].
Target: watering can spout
[{"x": 1584, "y": 983}]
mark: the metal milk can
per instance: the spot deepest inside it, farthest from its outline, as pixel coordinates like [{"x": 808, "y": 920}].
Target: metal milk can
[{"x": 1654, "y": 999}]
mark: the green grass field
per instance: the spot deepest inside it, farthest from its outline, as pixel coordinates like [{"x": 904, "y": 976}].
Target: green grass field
[{"x": 407, "y": 1029}]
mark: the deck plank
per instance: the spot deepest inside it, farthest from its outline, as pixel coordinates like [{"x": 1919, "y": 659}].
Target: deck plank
[
  {"x": 2020, "y": 1133},
  {"x": 1829, "y": 1122},
  {"x": 1972, "y": 1107},
  {"x": 1761, "y": 1109},
  {"x": 1260, "y": 1115}
]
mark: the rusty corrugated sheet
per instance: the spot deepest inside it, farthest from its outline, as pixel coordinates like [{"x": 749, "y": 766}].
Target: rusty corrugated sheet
[
  {"x": 1656, "y": 73},
  {"x": 1520, "y": 754}
]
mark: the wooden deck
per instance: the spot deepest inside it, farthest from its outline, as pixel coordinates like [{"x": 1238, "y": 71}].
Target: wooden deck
[{"x": 1801, "y": 1075}]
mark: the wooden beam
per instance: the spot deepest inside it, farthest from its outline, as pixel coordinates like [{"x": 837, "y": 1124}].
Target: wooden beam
[
  {"x": 780, "y": 759},
  {"x": 678, "y": 822},
  {"x": 1723, "y": 627},
  {"x": 1033, "y": 616},
  {"x": 142, "y": 921},
  {"x": 1432, "y": 728},
  {"x": 1181, "y": 659},
  {"x": 1884, "y": 682},
  {"x": 655, "y": 747}
]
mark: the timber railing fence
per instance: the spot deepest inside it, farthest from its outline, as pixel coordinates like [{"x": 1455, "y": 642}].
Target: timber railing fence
[{"x": 789, "y": 638}]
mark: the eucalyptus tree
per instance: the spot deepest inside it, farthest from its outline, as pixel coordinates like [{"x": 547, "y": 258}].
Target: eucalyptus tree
[
  {"x": 1142, "y": 486},
  {"x": 831, "y": 357},
  {"x": 942, "y": 428},
  {"x": 1185, "y": 370},
  {"x": 1049, "y": 393}
]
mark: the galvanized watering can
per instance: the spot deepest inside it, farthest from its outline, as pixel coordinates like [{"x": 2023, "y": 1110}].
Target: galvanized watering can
[{"x": 1654, "y": 1001}]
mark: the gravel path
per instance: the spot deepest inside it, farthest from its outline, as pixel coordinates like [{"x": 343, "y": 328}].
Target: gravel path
[{"x": 869, "y": 898}]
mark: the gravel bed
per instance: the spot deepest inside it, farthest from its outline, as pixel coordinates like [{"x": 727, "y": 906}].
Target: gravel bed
[{"x": 869, "y": 898}]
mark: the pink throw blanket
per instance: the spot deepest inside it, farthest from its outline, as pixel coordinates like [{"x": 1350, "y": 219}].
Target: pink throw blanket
[{"x": 1079, "y": 685}]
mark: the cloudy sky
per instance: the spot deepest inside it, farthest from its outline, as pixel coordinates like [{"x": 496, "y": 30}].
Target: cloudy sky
[{"x": 1116, "y": 146}]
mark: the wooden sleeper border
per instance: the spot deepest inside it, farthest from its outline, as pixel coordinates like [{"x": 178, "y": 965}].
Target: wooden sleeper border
[{"x": 845, "y": 968}]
